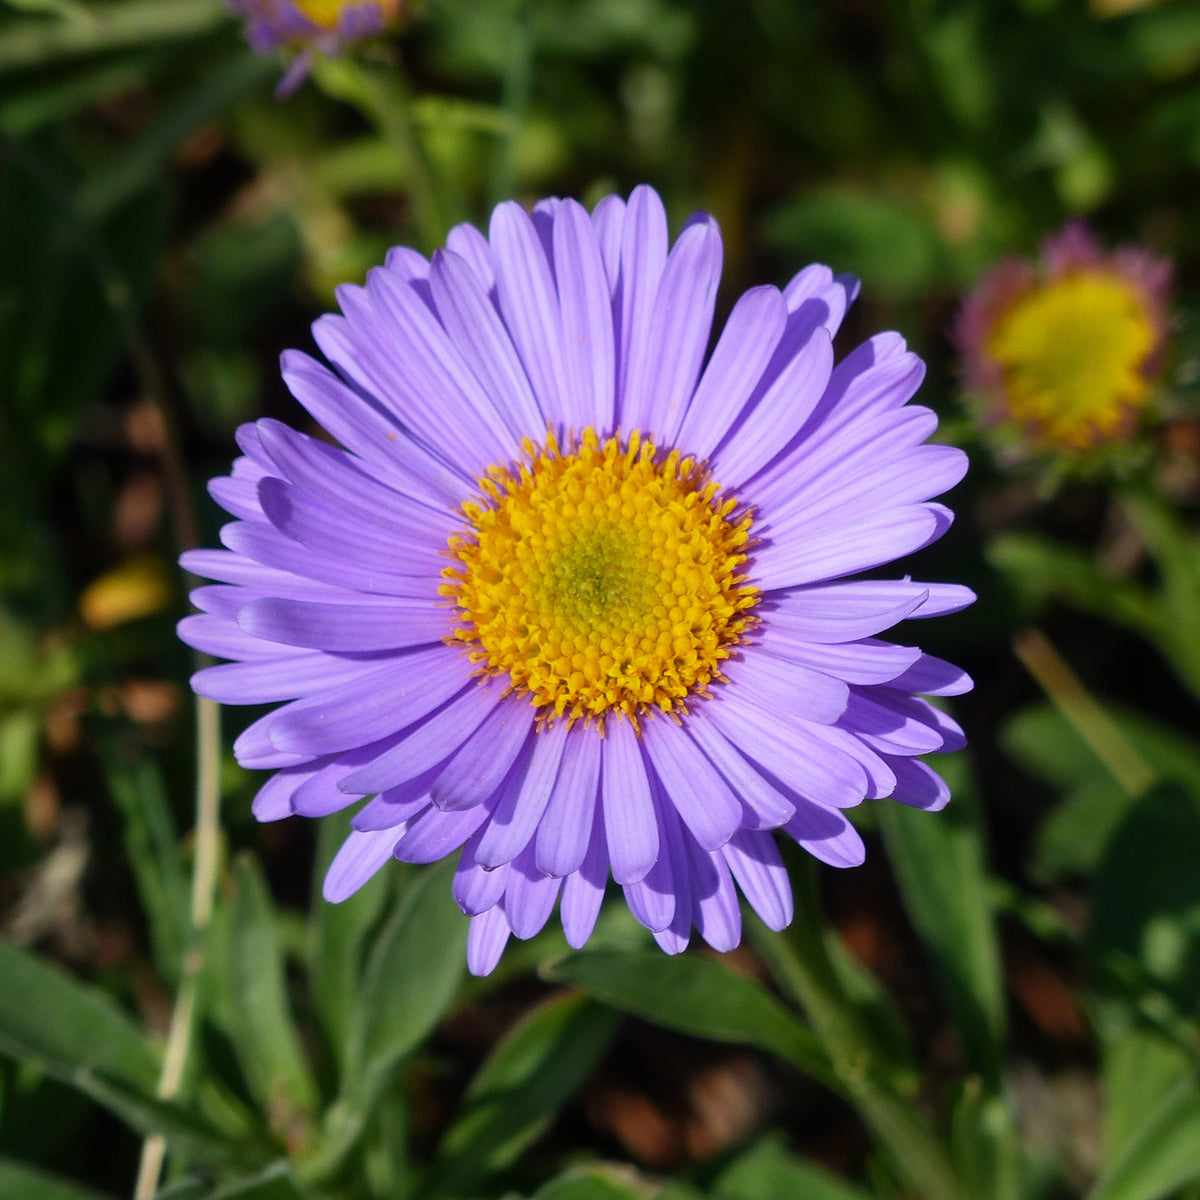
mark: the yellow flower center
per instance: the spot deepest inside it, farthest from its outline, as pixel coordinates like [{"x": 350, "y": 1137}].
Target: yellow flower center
[
  {"x": 325, "y": 14},
  {"x": 602, "y": 581},
  {"x": 1072, "y": 353}
]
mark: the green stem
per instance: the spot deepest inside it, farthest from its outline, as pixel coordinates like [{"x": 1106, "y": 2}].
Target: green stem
[
  {"x": 383, "y": 97},
  {"x": 801, "y": 965},
  {"x": 518, "y": 80}
]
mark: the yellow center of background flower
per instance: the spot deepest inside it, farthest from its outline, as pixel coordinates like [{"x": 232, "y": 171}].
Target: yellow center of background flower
[
  {"x": 601, "y": 581},
  {"x": 1072, "y": 352},
  {"x": 325, "y": 14}
]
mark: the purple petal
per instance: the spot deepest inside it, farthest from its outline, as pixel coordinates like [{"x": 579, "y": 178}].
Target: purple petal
[
  {"x": 643, "y": 256},
  {"x": 767, "y": 807},
  {"x": 843, "y": 611},
  {"x": 562, "y": 836},
  {"x": 529, "y": 897},
  {"x": 486, "y": 757},
  {"x": 767, "y": 428},
  {"x": 629, "y": 824},
  {"x": 789, "y": 686},
  {"x": 932, "y": 676},
  {"x": 846, "y": 548},
  {"x": 742, "y": 354},
  {"x": 475, "y": 327},
  {"x": 486, "y": 939},
  {"x": 382, "y": 701},
  {"x": 664, "y": 364},
  {"x": 608, "y": 219},
  {"x": 346, "y": 628},
  {"x": 918, "y": 785},
  {"x": 475, "y": 888},
  {"x": 523, "y": 798},
  {"x": 360, "y": 856},
  {"x": 363, "y": 427},
  {"x": 714, "y": 902},
  {"x": 587, "y": 320},
  {"x": 583, "y": 890},
  {"x": 827, "y": 835},
  {"x": 701, "y": 797},
  {"x": 434, "y": 834},
  {"x": 865, "y": 662},
  {"x": 427, "y": 742},
  {"x": 785, "y": 749},
  {"x": 529, "y": 302},
  {"x": 758, "y": 868},
  {"x": 468, "y": 243}
]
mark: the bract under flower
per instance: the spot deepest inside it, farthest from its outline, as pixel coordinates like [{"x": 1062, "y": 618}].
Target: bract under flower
[
  {"x": 1067, "y": 350},
  {"x": 572, "y": 602}
]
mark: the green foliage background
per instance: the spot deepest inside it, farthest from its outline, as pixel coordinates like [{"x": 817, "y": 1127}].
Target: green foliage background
[{"x": 1002, "y": 1005}]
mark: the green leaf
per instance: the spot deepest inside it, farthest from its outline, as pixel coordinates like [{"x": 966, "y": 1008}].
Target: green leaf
[
  {"x": 275, "y": 1183},
  {"x": 410, "y": 981},
  {"x": 939, "y": 864},
  {"x": 21, "y": 1182},
  {"x": 530, "y": 1074},
  {"x": 693, "y": 995},
  {"x": 152, "y": 847},
  {"x": 38, "y": 43},
  {"x": 768, "y": 1172},
  {"x": 67, "y": 1026},
  {"x": 340, "y": 934},
  {"x": 1073, "y": 837},
  {"x": 1140, "y": 1067},
  {"x": 1162, "y": 1154},
  {"x": 984, "y": 1143},
  {"x": 881, "y": 239},
  {"x": 1145, "y": 905},
  {"x": 185, "y": 1131},
  {"x": 268, "y": 1046},
  {"x": 597, "y": 1183},
  {"x": 411, "y": 977}
]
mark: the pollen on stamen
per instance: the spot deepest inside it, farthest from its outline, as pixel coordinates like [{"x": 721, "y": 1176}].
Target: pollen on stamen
[{"x": 603, "y": 581}]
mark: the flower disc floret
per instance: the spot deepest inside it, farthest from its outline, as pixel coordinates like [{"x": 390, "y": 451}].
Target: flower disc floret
[{"x": 602, "y": 581}]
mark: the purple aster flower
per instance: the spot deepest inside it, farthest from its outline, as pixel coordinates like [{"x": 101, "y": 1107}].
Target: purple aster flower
[
  {"x": 572, "y": 600},
  {"x": 327, "y": 26}
]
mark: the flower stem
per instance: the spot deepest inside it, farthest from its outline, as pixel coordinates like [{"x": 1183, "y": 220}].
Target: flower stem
[
  {"x": 1081, "y": 710},
  {"x": 518, "y": 77},
  {"x": 382, "y": 95},
  {"x": 799, "y": 960}
]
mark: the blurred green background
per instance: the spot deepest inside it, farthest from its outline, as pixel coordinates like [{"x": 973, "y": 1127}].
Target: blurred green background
[{"x": 1003, "y": 1004}]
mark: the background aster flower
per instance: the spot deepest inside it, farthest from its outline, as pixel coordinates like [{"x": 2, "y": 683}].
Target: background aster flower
[
  {"x": 312, "y": 25},
  {"x": 572, "y": 601},
  {"x": 1067, "y": 349}
]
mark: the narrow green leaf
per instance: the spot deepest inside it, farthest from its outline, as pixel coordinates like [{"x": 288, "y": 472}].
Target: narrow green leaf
[
  {"x": 769, "y": 1172},
  {"x": 693, "y": 995},
  {"x": 68, "y": 1026},
  {"x": 339, "y": 938},
  {"x": 37, "y": 42},
  {"x": 268, "y": 1046},
  {"x": 410, "y": 981},
  {"x": 184, "y": 1130},
  {"x": 1144, "y": 899},
  {"x": 21, "y": 1182},
  {"x": 275, "y": 1183},
  {"x": 939, "y": 865},
  {"x": 597, "y": 1183},
  {"x": 1163, "y": 1153},
  {"x": 1140, "y": 1066},
  {"x": 530, "y": 1074},
  {"x": 411, "y": 977},
  {"x": 151, "y": 844}
]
